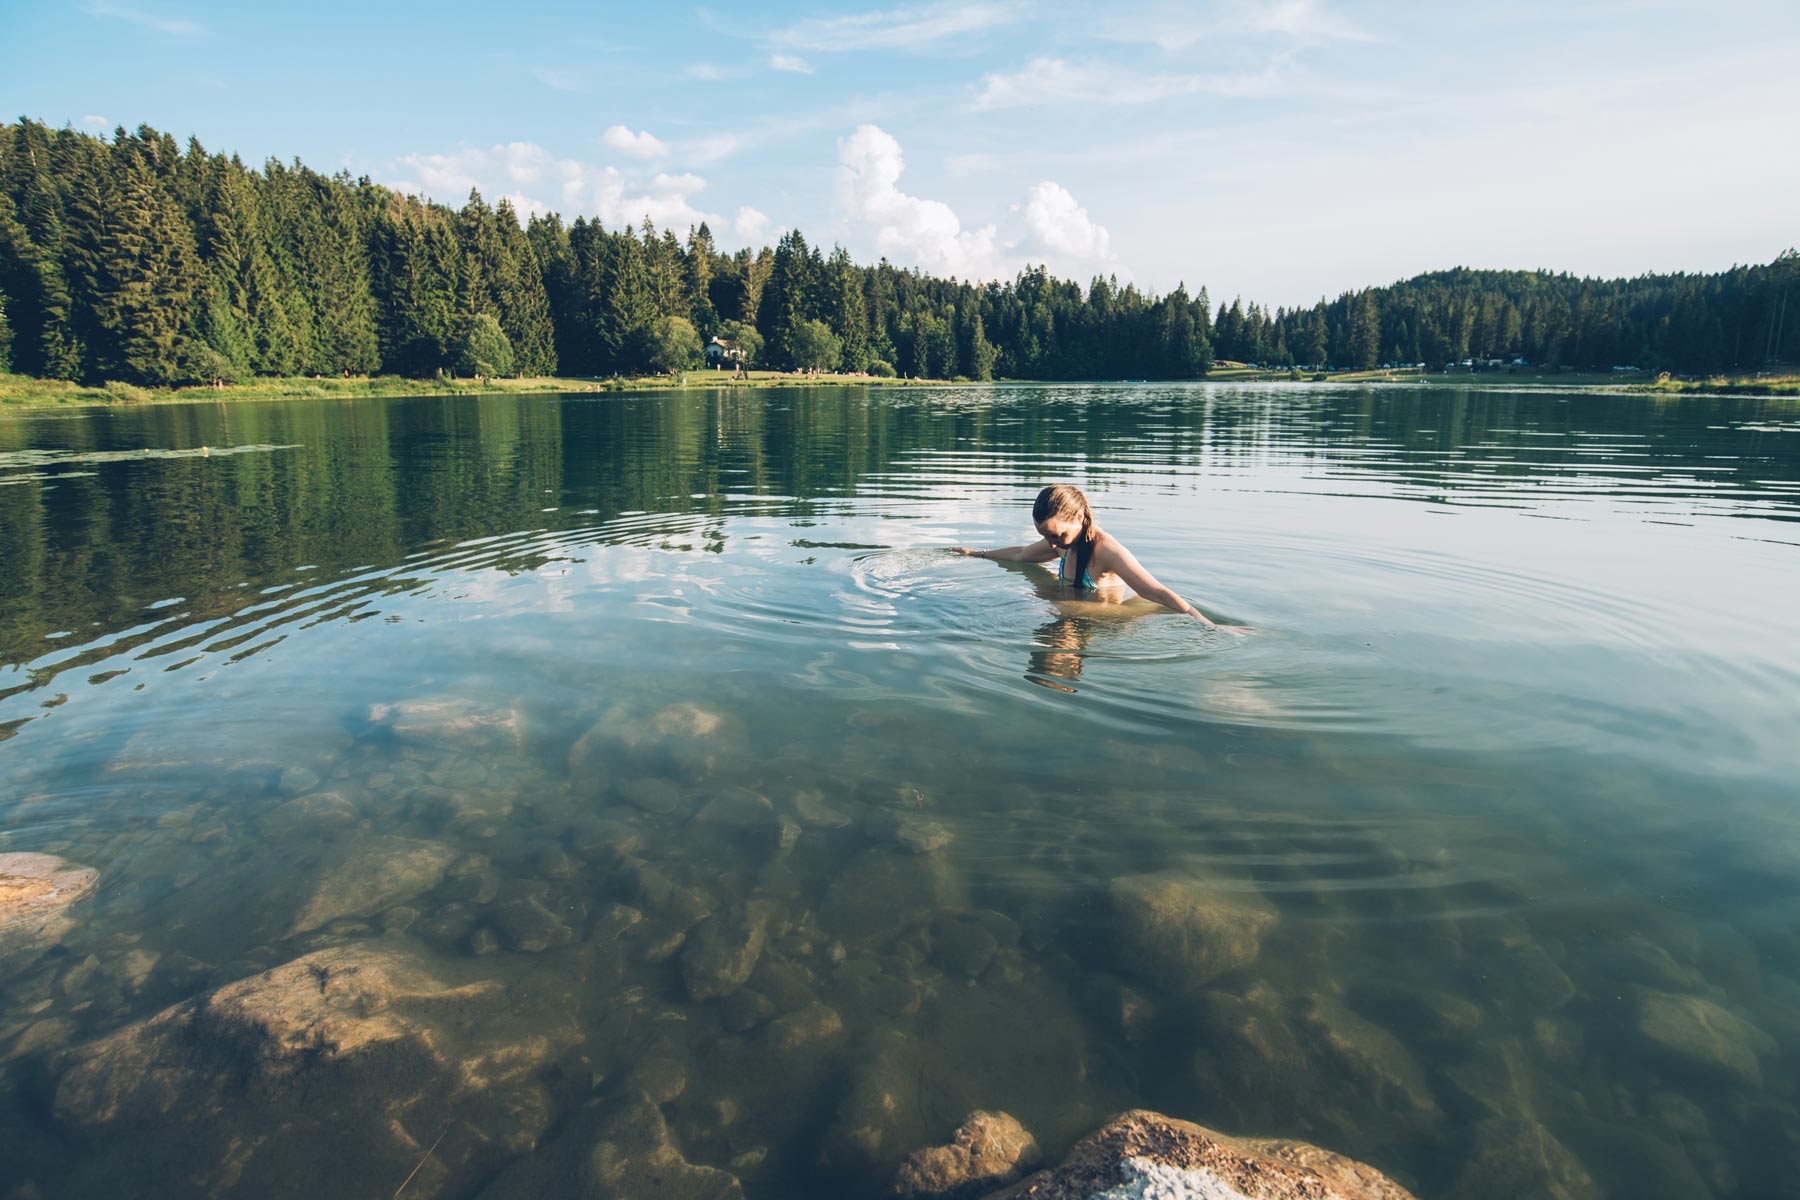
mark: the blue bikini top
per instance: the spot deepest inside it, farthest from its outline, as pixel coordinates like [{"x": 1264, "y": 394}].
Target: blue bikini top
[{"x": 1087, "y": 579}]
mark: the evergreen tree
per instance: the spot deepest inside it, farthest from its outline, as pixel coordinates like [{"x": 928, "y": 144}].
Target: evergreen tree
[
  {"x": 697, "y": 260},
  {"x": 975, "y": 354},
  {"x": 150, "y": 272},
  {"x": 1365, "y": 333},
  {"x": 628, "y": 309}
]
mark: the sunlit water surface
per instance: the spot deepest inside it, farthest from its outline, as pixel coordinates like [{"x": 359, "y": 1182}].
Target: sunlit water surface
[{"x": 1505, "y": 779}]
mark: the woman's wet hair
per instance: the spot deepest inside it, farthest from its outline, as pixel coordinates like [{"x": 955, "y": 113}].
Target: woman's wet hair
[{"x": 1066, "y": 500}]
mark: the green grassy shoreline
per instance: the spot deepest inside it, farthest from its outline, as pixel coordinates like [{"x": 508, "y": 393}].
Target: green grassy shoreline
[
  {"x": 22, "y": 392},
  {"x": 1724, "y": 385}
]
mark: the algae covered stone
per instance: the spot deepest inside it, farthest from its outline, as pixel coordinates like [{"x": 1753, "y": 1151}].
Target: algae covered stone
[
  {"x": 987, "y": 1151},
  {"x": 1183, "y": 930}
]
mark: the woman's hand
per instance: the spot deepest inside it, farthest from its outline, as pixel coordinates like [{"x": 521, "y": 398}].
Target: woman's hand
[
  {"x": 965, "y": 550},
  {"x": 1211, "y": 624}
]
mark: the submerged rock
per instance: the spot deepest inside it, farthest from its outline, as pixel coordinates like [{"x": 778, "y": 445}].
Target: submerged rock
[
  {"x": 1182, "y": 931},
  {"x": 987, "y": 1151},
  {"x": 617, "y": 1151},
  {"x": 1141, "y": 1155},
  {"x": 1248, "y": 1051},
  {"x": 879, "y": 1117},
  {"x": 881, "y": 892},
  {"x": 529, "y": 927},
  {"x": 212, "y": 1095},
  {"x": 1431, "y": 1016},
  {"x": 683, "y": 741},
  {"x": 1514, "y": 1158},
  {"x": 36, "y": 891},
  {"x": 377, "y": 873},
  {"x": 1704, "y": 1036},
  {"x": 721, "y": 954},
  {"x": 1384, "y": 1073},
  {"x": 816, "y": 812},
  {"x": 452, "y": 723}
]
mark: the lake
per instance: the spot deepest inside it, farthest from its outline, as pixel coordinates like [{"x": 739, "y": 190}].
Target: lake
[{"x": 638, "y": 780}]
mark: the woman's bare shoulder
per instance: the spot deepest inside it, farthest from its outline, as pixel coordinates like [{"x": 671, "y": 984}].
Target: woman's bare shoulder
[{"x": 1109, "y": 547}]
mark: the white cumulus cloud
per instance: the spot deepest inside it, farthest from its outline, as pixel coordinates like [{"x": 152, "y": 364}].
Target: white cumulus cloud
[
  {"x": 641, "y": 144},
  {"x": 926, "y": 233},
  {"x": 751, "y": 226},
  {"x": 525, "y": 174},
  {"x": 1062, "y": 228},
  {"x": 666, "y": 199}
]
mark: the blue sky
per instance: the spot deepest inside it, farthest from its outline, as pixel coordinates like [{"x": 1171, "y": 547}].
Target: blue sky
[{"x": 1277, "y": 149}]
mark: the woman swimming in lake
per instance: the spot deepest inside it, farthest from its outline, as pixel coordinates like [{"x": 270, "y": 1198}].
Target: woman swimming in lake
[{"x": 1087, "y": 557}]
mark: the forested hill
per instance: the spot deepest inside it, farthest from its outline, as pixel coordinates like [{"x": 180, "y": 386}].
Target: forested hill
[{"x": 133, "y": 259}]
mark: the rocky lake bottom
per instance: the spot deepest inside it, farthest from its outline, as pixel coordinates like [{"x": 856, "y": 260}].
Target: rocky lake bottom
[{"x": 743, "y": 849}]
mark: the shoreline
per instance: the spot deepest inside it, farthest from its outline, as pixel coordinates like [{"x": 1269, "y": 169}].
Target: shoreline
[{"x": 23, "y": 393}]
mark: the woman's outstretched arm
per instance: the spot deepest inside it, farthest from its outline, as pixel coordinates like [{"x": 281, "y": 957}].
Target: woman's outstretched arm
[
  {"x": 1039, "y": 551},
  {"x": 1123, "y": 563}
]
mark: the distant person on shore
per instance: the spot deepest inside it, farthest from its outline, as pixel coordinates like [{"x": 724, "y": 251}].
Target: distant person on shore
[{"x": 1087, "y": 557}]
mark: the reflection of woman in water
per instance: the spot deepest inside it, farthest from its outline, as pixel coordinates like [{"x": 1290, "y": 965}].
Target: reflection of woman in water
[{"x": 1087, "y": 557}]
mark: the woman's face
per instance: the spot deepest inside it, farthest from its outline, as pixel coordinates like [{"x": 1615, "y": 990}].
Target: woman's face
[{"x": 1060, "y": 531}]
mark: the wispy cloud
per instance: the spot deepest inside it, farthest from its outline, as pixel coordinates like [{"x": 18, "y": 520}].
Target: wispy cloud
[
  {"x": 148, "y": 20},
  {"x": 711, "y": 72},
  {"x": 563, "y": 80},
  {"x": 793, "y": 64},
  {"x": 1054, "y": 80},
  {"x": 94, "y": 122},
  {"x": 641, "y": 144},
  {"x": 1182, "y": 26},
  {"x": 1303, "y": 20},
  {"x": 896, "y": 28}
]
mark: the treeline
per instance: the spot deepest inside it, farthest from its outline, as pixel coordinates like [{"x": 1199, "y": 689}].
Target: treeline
[{"x": 133, "y": 259}]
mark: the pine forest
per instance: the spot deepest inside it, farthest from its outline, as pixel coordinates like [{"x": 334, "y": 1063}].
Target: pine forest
[{"x": 132, "y": 259}]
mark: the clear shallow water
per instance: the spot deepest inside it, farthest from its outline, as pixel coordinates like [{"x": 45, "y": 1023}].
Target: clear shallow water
[{"x": 1509, "y": 763}]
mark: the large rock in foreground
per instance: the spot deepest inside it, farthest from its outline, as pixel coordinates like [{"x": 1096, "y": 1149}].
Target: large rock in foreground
[
  {"x": 35, "y": 893},
  {"x": 1142, "y": 1154},
  {"x": 362, "y": 1049}
]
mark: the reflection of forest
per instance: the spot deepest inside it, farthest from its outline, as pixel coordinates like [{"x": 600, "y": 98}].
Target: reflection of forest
[{"x": 86, "y": 547}]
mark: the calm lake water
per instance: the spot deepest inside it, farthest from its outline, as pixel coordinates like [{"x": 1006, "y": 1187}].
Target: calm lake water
[{"x": 670, "y": 713}]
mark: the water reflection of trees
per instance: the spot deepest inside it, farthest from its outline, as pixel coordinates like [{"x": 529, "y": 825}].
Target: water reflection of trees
[{"x": 86, "y": 547}]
